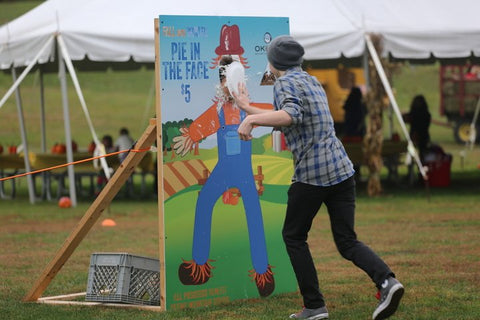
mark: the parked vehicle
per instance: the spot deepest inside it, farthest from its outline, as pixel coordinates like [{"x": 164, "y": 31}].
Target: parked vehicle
[{"x": 459, "y": 95}]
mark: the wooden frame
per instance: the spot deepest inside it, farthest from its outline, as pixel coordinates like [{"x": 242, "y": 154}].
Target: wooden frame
[
  {"x": 161, "y": 226},
  {"x": 149, "y": 137}
]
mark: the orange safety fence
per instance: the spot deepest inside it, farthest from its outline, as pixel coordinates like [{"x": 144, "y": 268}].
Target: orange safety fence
[{"x": 72, "y": 163}]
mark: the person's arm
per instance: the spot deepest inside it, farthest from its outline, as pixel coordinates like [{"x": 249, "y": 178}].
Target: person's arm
[
  {"x": 267, "y": 118},
  {"x": 254, "y": 109}
]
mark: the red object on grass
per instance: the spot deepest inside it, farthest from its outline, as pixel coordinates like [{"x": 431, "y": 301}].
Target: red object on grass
[{"x": 64, "y": 202}]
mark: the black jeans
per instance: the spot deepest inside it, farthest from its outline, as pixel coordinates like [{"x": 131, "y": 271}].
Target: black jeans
[{"x": 304, "y": 201}]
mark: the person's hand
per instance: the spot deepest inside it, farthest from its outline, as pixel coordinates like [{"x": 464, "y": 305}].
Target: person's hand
[
  {"x": 242, "y": 99},
  {"x": 182, "y": 144},
  {"x": 245, "y": 129}
]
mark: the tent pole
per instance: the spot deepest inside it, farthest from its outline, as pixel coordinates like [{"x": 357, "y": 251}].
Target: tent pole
[
  {"x": 366, "y": 73},
  {"x": 66, "y": 119},
  {"x": 366, "y": 67},
  {"x": 43, "y": 143},
  {"x": 473, "y": 130},
  {"x": 396, "y": 109},
  {"x": 25, "y": 72},
  {"x": 76, "y": 84},
  {"x": 390, "y": 120},
  {"x": 21, "y": 119}
]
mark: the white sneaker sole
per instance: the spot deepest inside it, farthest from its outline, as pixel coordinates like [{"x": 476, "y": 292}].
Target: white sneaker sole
[
  {"x": 390, "y": 305},
  {"x": 315, "y": 317},
  {"x": 319, "y": 316}
]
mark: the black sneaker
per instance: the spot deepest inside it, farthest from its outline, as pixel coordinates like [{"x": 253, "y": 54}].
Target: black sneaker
[
  {"x": 311, "y": 314},
  {"x": 389, "y": 295}
]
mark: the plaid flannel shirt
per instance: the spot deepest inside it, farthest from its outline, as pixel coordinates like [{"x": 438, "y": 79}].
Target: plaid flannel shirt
[{"x": 319, "y": 156}]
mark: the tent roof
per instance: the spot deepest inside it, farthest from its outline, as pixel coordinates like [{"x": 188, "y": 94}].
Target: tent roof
[
  {"x": 120, "y": 31},
  {"x": 418, "y": 29}
]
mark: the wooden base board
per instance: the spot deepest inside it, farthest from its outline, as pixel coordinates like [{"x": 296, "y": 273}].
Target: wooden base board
[{"x": 64, "y": 300}]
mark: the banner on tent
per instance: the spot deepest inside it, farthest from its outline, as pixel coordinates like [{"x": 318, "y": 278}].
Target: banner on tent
[{"x": 225, "y": 198}]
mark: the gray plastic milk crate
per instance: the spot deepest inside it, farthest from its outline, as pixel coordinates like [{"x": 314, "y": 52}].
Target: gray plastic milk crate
[{"x": 123, "y": 278}]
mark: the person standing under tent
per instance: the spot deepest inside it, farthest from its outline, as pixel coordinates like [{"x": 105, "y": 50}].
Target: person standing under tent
[
  {"x": 355, "y": 112},
  {"x": 354, "y": 124},
  {"x": 124, "y": 142},
  {"x": 419, "y": 118},
  {"x": 107, "y": 144},
  {"x": 323, "y": 173}
]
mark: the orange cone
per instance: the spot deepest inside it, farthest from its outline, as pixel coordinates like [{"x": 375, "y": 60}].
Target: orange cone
[{"x": 108, "y": 223}]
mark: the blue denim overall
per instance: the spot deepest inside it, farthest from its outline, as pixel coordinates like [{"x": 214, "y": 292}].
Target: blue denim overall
[{"x": 233, "y": 170}]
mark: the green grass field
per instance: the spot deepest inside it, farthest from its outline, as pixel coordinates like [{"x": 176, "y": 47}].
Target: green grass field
[
  {"x": 430, "y": 243},
  {"x": 429, "y": 237}
]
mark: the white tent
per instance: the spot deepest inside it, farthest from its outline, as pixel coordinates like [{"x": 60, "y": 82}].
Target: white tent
[
  {"x": 122, "y": 31},
  {"x": 103, "y": 30}
]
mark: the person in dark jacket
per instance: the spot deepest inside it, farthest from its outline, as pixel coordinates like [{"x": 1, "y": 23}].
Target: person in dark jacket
[
  {"x": 419, "y": 118},
  {"x": 355, "y": 112}
]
